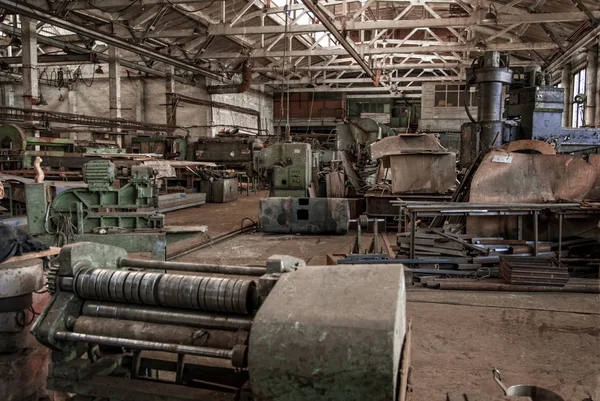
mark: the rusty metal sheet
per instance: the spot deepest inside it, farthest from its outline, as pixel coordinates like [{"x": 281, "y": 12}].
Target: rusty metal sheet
[
  {"x": 536, "y": 178},
  {"x": 423, "y": 173},
  {"x": 529, "y": 144},
  {"x": 402, "y": 144}
]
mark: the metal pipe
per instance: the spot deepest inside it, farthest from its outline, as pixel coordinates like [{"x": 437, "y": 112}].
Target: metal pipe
[
  {"x": 165, "y": 315},
  {"x": 160, "y": 332},
  {"x": 145, "y": 345},
  {"x": 42, "y": 15},
  {"x": 192, "y": 267}
]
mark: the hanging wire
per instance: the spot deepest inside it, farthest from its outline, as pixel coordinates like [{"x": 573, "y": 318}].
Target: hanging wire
[
  {"x": 107, "y": 11},
  {"x": 193, "y": 11}
]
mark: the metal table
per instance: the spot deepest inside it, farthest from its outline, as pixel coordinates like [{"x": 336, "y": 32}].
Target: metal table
[{"x": 426, "y": 209}]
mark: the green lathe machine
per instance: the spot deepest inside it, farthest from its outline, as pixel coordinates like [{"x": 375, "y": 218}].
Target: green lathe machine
[
  {"x": 105, "y": 213},
  {"x": 286, "y": 167}
]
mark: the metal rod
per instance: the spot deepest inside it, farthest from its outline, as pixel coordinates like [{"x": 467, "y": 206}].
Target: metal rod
[
  {"x": 169, "y": 333},
  {"x": 560, "y": 233},
  {"x": 413, "y": 225},
  {"x": 42, "y": 15},
  {"x": 164, "y": 315},
  {"x": 193, "y": 267},
  {"x": 536, "y": 233},
  {"x": 145, "y": 345},
  {"x": 203, "y": 245}
]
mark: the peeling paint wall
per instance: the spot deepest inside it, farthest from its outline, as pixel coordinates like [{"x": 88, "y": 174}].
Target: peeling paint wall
[{"x": 143, "y": 99}]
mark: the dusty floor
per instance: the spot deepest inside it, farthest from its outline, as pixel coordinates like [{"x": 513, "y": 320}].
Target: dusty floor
[{"x": 550, "y": 340}]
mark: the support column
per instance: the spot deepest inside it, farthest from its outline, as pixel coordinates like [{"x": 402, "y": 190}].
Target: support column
[
  {"x": 114, "y": 88},
  {"x": 597, "y": 93},
  {"x": 169, "y": 90},
  {"x": 566, "y": 84},
  {"x": 590, "y": 86},
  {"x": 31, "y": 92}
]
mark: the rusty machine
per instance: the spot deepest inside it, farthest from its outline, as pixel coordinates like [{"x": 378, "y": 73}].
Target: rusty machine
[
  {"x": 284, "y": 332},
  {"x": 532, "y": 111}
]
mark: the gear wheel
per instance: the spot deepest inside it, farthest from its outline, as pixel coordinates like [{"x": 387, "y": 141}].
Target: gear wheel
[{"x": 52, "y": 280}]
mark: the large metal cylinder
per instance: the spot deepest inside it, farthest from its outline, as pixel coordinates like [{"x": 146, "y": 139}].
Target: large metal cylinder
[
  {"x": 23, "y": 362},
  {"x": 154, "y": 314},
  {"x": 491, "y": 75},
  {"x": 179, "y": 291},
  {"x": 304, "y": 215}
]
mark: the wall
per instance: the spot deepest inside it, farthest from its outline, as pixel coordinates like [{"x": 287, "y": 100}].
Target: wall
[
  {"x": 254, "y": 99},
  {"x": 143, "y": 99},
  {"x": 445, "y": 119}
]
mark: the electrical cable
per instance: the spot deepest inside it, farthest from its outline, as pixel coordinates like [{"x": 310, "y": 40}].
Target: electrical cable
[
  {"x": 106, "y": 11},
  {"x": 192, "y": 11}
]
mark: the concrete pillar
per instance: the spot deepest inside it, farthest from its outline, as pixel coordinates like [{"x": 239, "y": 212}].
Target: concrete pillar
[
  {"x": 31, "y": 92},
  {"x": 590, "y": 86},
  {"x": 566, "y": 84},
  {"x": 114, "y": 87},
  {"x": 169, "y": 90}
]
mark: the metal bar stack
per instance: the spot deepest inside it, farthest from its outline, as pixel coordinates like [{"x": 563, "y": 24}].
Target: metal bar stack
[{"x": 533, "y": 271}]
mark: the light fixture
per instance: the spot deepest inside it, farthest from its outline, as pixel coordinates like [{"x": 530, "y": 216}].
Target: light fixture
[
  {"x": 99, "y": 70},
  {"x": 61, "y": 98},
  {"x": 490, "y": 16}
]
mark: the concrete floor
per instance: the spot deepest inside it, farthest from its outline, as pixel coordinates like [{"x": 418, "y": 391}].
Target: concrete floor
[{"x": 546, "y": 339}]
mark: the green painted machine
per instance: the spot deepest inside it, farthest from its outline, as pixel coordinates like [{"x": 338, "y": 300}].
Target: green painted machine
[
  {"x": 283, "y": 332},
  {"x": 19, "y": 148},
  {"x": 105, "y": 212},
  {"x": 286, "y": 167}
]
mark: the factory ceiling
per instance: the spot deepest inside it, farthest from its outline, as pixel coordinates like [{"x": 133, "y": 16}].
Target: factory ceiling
[{"x": 366, "y": 46}]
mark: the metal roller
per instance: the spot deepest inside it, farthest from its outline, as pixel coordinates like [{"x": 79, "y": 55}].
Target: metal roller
[
  {"x": 160, "y": 332},
  {"x": 192, "y": 267},
  {"x": 174, "y": 290},
  {"x": 153, "y": 314}
]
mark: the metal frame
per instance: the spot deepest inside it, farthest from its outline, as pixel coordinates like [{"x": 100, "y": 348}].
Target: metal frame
[{"x": 431, "y": 39}]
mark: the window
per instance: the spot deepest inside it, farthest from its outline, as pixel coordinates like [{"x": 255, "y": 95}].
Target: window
[
  {"x": 578, "y": 117},
  {"x": 454, "y": 96}
]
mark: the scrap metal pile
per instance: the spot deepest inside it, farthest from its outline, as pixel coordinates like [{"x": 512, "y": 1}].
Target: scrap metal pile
[{"x": 222, "y": 332}]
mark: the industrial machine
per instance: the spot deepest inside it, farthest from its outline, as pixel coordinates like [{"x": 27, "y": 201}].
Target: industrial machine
[
  {"x": 23, "y": 362},
  {"x": 304, "y": 215},
  {"x": 231, "y": 152},
  {"x": 285, "y": 332},
  {"x": 533, "y": 112},
  {"x": 287, "y": 167},
  {"x": 104, "y": 212},
  {"x": 19, "y": 147}
]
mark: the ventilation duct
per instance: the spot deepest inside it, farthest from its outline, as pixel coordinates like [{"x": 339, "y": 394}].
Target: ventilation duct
[{"x": 236, "y": 88}]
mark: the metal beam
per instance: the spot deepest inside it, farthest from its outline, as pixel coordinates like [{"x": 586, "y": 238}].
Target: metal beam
[
  {"x": 330, "y": 25},
  {"x": 450, "y": 47},
  {"x": 110, "y": 4},
  {"x": 68, "y": 47},
  {"x": 361, "y": 89},
  {"x": 333, "y": 81},
  {"x": 503, "y": 19},
  {"x": 42, "y": 15},
  {"x": 53, "y": 59}
]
